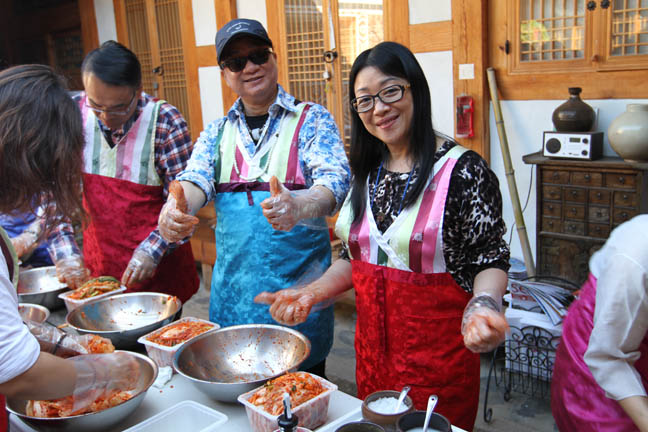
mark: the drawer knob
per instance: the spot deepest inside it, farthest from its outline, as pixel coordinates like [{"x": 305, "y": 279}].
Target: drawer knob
[
  {"x": 624, "y": 215},
  {"x": 587, "y": 177},
  {"x": 571, "y": 228},
  {"x": 622, "y": 180},
  {"x": 625, "y": 197},
  {"x": 574, "y": 193},
  {"x": 573, "y": 210},
  {"x": 555, "y": 175},
  {"x": 599, "y": 195},
  {"x": 599, "y": 214},
  {"x": 550, "y": 223},
  {"x": 551, "y": 207},
  {"x": 597, "y": 229}
]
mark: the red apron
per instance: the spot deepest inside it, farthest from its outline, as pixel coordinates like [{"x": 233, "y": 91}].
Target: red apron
[
  {"x": 406, "y": 334},
  {"x": 122, "y": 215}
]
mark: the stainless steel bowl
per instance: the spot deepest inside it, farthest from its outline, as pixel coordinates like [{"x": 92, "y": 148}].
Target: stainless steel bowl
[
  {"x": 123, "y": 318},
  {"x": 40, "y": 286},
  {"x": 33, "y": 312},
  {"x": 97, "y": 421},
  {"x": 234, "y": 360}
]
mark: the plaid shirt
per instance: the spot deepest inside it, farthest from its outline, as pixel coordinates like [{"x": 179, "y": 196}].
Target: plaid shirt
[{"x": 173, "y": 148}]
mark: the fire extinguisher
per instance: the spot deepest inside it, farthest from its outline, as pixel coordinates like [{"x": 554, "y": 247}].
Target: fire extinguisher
[{"x": 465, "y": 110}]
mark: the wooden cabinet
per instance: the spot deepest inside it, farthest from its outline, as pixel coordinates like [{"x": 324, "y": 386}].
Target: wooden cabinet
[{"x": 578, "y": 204}]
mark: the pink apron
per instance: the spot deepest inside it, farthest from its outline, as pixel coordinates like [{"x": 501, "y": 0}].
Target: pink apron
[{"x": 578, "y": 403}]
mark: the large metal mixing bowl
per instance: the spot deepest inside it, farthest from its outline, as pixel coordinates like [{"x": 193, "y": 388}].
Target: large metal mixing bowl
[
  {"x": 96, "y": 421},
  {"x": 40, "y": 286},
  {"x": 33, "y": 312},
  {"x": 234, "y": 360},
  {"x": 123, "y": 318}
]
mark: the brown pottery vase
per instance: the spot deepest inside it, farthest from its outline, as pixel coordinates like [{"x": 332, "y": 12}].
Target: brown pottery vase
[
  {"x": 628, "y": 133},
  {"x": 574, "y": 115}
]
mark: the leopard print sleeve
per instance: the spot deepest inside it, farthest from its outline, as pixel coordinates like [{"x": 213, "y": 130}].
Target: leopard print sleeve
[{"x": 473, "y": 227}]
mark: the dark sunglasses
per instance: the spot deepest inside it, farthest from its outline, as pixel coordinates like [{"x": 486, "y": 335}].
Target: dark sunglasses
[{"x": 237, "y": 64}]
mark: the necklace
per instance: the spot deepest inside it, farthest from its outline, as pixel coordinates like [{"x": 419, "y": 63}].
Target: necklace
[{"x": 380, "y": 217}]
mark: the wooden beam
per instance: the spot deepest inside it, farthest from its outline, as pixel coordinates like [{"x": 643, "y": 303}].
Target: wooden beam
[
  {"x": 185, "y": 11},
  {"x": 396, "y": 21},
  {"x": 430, "y": 37},
  {"x": 120, "y": 22},
  {"x": 225, "y": 12},
  {"x": 469, "y": 18},
  {"x": 89, "y": 32},
  {"x": 276, "y": 13}
]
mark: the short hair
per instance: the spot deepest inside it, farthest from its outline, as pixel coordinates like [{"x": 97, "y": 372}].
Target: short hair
[
  {"x": 113, "y": 64},
  {"x": 366, "y": 150},
  {"x": 41, "y": 143}
]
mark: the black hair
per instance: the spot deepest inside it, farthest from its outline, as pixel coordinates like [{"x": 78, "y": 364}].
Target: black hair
[
  {"x": 41, "y": 143},
  {"x": 113, "y": 64},
  {"x": 367, "y": 151}
]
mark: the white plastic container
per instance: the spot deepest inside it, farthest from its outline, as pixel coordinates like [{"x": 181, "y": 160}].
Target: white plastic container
[
  {"x": 72, "y": 304},
  {"x": 311, "y": 414},
  {"x": 162, "y": 355},
  {"x": 183, "y": 416}
]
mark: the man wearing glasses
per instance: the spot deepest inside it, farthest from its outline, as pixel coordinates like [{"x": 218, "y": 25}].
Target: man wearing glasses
[
  {"x": 135, "y": 146},
  {"x": 274, "y": 167}
]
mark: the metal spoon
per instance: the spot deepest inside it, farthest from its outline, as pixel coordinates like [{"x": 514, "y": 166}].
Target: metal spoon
[
  {"x": 432, "y": 401},
  {"x": 401, "y": 398}
]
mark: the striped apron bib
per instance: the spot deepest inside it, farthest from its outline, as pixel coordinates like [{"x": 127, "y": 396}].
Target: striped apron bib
[
  {"x": 252, "y": 256},
  {"x": 123, "y": 195},
  {"x": 409, "y": 308}
]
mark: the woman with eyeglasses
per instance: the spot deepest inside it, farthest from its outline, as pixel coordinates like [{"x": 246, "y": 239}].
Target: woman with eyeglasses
[
  {"x": 41, "y": 142},
  {"x": 423, "y": 245}
]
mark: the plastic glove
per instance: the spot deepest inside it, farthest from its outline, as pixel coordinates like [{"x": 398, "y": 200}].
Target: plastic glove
[
  {"x": 483, "y": 325},
  {"x": 289, "y": 306},
  {"x": 140, "y": 268},
  {"x": 285, "y": 209},
  {"x": 25, "y": 243},
  {"x": 174, "y": 221},
  {"x": 71, "y": 271},
  {"x": 54, "y": 341},
  {"x": 100, "y": 375}
]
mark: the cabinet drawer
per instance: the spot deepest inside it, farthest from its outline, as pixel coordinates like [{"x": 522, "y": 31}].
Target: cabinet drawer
[
  {"x": 598, "y": 214},
  {"x": 625, "y": 199},
  {"x": 573, "y": 227},
  {"x": 555, "y": 176},
  {"x": 587, "y": 179},
  {"x": 574, "y": 194},
  {"x": 551, "y": 209},
  {"x": 575, "y": 211},
  {"x": 551, "y": 192},
  {"x": 551, "y": 225},
  {"x": 622, "y": 215},
  {"x": 620, "y": 180},
  {"x": 599, "y": 196},
  {"x": 599, "y": 230}
]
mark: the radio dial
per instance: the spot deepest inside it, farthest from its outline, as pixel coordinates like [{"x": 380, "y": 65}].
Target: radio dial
[{"x": 553, "y": 145}]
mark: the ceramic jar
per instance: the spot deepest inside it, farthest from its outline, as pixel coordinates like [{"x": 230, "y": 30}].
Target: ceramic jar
[
  {"x": 628, "y": 133},
  {"x": 574, "y": 115}
]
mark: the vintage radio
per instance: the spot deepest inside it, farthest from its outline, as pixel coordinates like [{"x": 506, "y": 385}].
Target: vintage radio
[{"x": 573, "y": 145}]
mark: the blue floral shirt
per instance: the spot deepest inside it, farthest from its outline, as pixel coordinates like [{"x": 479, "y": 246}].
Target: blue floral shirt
[{"x": 321, "y": 151}]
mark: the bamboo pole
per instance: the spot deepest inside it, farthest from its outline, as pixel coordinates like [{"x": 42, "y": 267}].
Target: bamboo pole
[{"x": 510, "y": 175}]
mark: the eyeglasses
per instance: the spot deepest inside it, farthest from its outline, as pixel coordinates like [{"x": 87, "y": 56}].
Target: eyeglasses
[
  {"x": 113, "y": 112},
  {"x": 388, "y": 95},
  {"x": 237, "y": 64}
]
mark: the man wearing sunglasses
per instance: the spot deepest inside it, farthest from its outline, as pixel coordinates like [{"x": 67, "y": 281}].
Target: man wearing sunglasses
[
  {"x": 274, "y": 167},
  {"x": 135, "y": 146}
]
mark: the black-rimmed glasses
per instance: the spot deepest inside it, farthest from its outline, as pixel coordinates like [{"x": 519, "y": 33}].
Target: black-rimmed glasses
[
  {"x": 113, "y": 112},
  {"x": 388, "y": 95},
  {"x": 237, "y": 64}
]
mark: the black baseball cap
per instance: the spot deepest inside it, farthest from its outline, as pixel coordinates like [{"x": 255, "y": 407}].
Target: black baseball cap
[{"x": 237, "y": 28}]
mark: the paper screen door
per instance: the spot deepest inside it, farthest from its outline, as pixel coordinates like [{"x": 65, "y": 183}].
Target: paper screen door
[{"x": 322, "y": 39}]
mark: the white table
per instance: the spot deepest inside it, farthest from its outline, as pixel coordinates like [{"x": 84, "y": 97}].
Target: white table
[{"x": 343, "y": 408}]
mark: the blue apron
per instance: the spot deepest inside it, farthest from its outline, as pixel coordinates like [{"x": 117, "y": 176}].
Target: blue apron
[{"x": 252, "y": 257}]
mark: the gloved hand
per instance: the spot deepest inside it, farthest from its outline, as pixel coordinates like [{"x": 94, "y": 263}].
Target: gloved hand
[
  {"x": 284, "y": 209},
  {"x": 140, "y": 268},
  {"x": 174, "y": 221},
  {"x": 25, "y": 243},
  {"x": 54, "y": 341},
  {"x": 102, "y": 374},
  {"x": 289, "y": 306},
  {"x": 483, "y": 325},
  {"x": 71, "y": 271}
]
